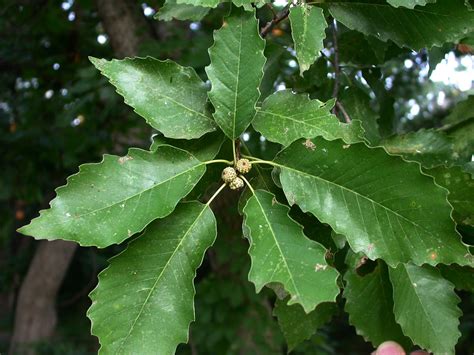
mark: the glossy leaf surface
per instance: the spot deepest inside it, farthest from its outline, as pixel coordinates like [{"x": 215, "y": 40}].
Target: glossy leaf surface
[
  {"x": 384, "y": 206},
  {"x": 298, "y": 326},
  {"x": 425, "y": 306},
  {"x": 285, "y": 117},
  {"x": 369, "y": 303},
  {"x": 108, "y": 202},
  {"x": 427, "y": 26},
  {"x": 170, "y": 97},
  {"x": 308, "y": 31},
  {"x": 235, "y": 72},
  {"x": 281, "y": 253},
  {"x": 144, "y": 301}
]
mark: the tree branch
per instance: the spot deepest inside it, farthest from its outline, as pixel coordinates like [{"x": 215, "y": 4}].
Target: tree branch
[
  {"x": 337, "y": 69},
  {"x": 283, "y": 14}
]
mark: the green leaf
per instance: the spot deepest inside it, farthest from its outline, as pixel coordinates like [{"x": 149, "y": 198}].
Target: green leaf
[
  {"x": 357, "y": 104},
  {"x": 409, "y": 3},
  {"x": 425, "y": 306},
  {"x": 272, "y": 68},
  {"x": 285, "y": 117},
  {"x": 143, "y": 303},
  {"x": 384, "y": 206},
  {"x": 108, "y": 202},
  {"x": 170, "y": 97},
  {"x": 247, "y": 4},
  {"x": 460, "y": 185},
  {"x": 432, "y": 25},
  {"x": 296, "y": 325},
  {"x": 281, "y": 253},
  {"x": 369, "y": 303},
  {"x": 462, "y": 277},
  {"x": 235, "y": 72},
  {"x": 204, "y": 148},
  {"x": 358, "y": 50},
  {"x": 200, "y": 3},
  {"x": 172, "y": 10},
  {"x": 308, "y": 31},
  {"x": 462, "y": 112},
  {"x": 429, "y": 147}
]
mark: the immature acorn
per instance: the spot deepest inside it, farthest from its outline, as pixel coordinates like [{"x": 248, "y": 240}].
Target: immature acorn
[
  {"x": 228, "y": 174},
  {"x": 236, "y": 184},
  {"x": 243, "y": 166}
]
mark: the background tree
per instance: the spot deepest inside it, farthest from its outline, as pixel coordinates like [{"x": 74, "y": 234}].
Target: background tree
[{"x": 56, "y": 113}]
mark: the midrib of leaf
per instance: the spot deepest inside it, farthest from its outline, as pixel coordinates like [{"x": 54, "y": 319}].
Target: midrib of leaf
[
  {"x": 153, "y": 288},
  {"x": 237, "y": 77},
  {"x": 419, "y": 300},
  {"x": 354, "y": 192},
  {"x": 179, "y": 103},
  {"x": 278, "y": 246},
  {"x": 135, "y": 195},
  {"x": 305, "y": 28}
]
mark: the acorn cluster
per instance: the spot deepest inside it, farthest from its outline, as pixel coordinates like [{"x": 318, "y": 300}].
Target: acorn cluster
[{"x": 230, "y": 175}]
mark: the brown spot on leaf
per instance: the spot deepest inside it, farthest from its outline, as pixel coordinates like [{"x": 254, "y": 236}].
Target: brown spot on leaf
[
  {"x": 309, "y": 144},
  {"x": 124, "y": 159},
  {"x": 319, "y": 267}
]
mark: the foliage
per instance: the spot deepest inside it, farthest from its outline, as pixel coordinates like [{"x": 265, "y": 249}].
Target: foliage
[{"x": 402, "y": 201}]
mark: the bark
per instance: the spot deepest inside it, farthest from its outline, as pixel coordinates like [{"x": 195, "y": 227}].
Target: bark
[
  {"x": 35, "y": 317},
  {"x": 124, "y": 24}
]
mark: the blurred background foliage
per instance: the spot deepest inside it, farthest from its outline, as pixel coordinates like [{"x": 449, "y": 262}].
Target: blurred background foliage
[{"x": 56, "y": 113}]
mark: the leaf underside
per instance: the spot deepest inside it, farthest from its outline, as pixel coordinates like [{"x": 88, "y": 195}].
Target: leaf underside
[{"x": 144, "y": 301}]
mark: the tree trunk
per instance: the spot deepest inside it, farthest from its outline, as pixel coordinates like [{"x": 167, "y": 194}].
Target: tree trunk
[
  {"x": 35, "y": 317},
  {"x": 124, "y": 24}
]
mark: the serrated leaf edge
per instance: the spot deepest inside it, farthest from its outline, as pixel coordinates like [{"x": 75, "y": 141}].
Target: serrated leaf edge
[
  {"x": 98, "y": 63},
  {"x": 92, "y": 293}
]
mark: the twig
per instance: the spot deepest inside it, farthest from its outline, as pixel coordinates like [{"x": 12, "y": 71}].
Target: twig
[
  {"x": 276, "y": 20},
  {"x": 337, "y": 69},
  {"x": 272, "y": 9},
  {"x": 347, "y": 118},
  {"x": 237, "y": 148}
]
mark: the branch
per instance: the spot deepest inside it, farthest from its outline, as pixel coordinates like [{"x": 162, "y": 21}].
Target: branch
[
  {"x": 347, "y": 118},
  {"x": 337, "y": 69},
  {"x": 283, "y": 14}
]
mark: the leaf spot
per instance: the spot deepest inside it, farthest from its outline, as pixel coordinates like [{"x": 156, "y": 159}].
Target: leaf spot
[
  {"x": 310, "y": 145},
  {"x": 319, "y": 267},
  {"x": 124, "y": 159}
]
